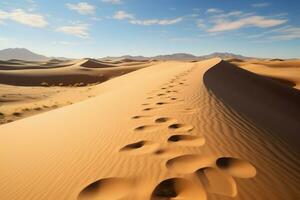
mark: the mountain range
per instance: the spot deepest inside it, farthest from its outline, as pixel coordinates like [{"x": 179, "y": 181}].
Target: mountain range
[{"x": 25, "y": 54}]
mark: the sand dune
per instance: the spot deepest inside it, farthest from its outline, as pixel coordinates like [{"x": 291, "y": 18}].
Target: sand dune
[
  {"x": 62, "y": 73},
  {"x": 273, "y": 105},
  {"x": 54, "y": 84},
  {"x": 155, "y": 133},
  {"x": 283, "y": 71}
]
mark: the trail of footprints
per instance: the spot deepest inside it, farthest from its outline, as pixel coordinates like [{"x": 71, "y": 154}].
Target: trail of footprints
[{"x": 205, "y": 174}]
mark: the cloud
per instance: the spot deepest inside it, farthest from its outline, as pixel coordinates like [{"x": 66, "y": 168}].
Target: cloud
[
  {"x": 254, "y": 21},
  {"x": 260, "y": 5},
  {"x": 288, "y": 33},
  {"x": 23, "y": 17},
  {"x": 214, "y": 10},
  {"x": 112, "y": 1},
  {"x": 78, "y": 30},
  {"x": 201, "y": 24},
  {"x": 120, "y": 15},
  {"x": 32, "y": 5},
  {"x": 156, "y": 21},
  {"x": 82, "y": 8},
  {"x": 230, "y": 14}
]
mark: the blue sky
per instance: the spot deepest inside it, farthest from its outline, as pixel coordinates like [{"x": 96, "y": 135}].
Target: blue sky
[{"x": 98, "y": 28}]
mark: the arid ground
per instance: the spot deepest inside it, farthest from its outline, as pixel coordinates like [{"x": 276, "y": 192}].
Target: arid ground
[{"x": 126, "y": 129}]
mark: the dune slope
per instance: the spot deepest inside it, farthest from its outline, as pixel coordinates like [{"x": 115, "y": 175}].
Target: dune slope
[
  {"x": 273, "y": 105},
  {"x": 62, "y": 73},
  {"x": 156, "y": 133}
]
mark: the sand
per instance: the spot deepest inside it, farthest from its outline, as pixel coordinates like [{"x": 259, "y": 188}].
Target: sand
[
  {"x": 29, "y": 88},
  {"x": 270, "y": 103},
  {"x": 155, "y": 133},
  {"x": 283, "y": 71}
]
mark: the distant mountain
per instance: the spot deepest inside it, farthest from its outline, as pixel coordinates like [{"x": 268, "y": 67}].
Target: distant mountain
[
  {"x": 224, "y": 56},
  {"x": 20, "y": 54},
  {"x": 125, "y": 57},
  {"x": 179, "y": 56},
  {"x": 25, "y": 54}
]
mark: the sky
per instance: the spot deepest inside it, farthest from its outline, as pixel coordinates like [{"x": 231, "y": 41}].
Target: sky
[{"x": 99, "y": 28}]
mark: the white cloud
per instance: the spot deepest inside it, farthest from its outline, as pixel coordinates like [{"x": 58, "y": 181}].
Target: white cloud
[
  {"x": 96, "y": 19},
  {"x": 156, "y": 21},
  {"x": 214, "y": 10},
  {"x": 230, "y": 14},
  {"x": 23, "y": 17},
  {"x": 112, "y": 1},
  {"x": 201, "y": 24},
  {"x": 260, "y": 5},
  {"x": 82, "y": 8},
  {"x": 79, "y": 30},
  {"x": 120, "y": 15},
  {"x": 254, "y": 21},
  {"x": 32, "y": 5},
  {"x": 288, "y": 33}
]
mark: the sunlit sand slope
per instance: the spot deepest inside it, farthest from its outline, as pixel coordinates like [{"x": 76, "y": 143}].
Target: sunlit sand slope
[
  {"x": 283, "y": 71},
  {"x": 29, "y": 88},
  {"x": 156, "y": 133},
  {"x": 63, "y": 73}
]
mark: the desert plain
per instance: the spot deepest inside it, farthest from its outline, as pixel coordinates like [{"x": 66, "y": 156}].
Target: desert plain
[{"x": 92, "y": 129}]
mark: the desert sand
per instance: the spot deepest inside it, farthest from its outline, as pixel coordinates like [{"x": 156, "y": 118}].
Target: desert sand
[
  {"x": 283, "y": 71},
  {"x": 28, "y": 88},
  {"x": 163, "y": 131}
]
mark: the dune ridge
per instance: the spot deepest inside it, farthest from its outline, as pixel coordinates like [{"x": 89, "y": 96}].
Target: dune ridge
[{"x": 273, "y": 105}]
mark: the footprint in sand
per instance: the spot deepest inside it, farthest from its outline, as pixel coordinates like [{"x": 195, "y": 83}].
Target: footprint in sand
[
  {"x": 192, "y": 162},
  {"x": 178, "y": 188},
  {"x": 217, "y": 182},
  {"x": 187, "y": 140},
  {"x": 181, "y": 127},
  {"x": 189, "y": 163},
  {"x": 215, "y": 175},
  {"x": 108, "y": 188},
  {"x": 148, "y": 109},
  {"x": 161, "y": 103},
  {"x": 140, "y": 147},
  {"x": 140, "y": 116},
  {"x": 161, "y": 120},
  {"x": 167, "y": 152},
  {"x": 236, "y": 167},
  {"x": 146, "y": 128}
]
